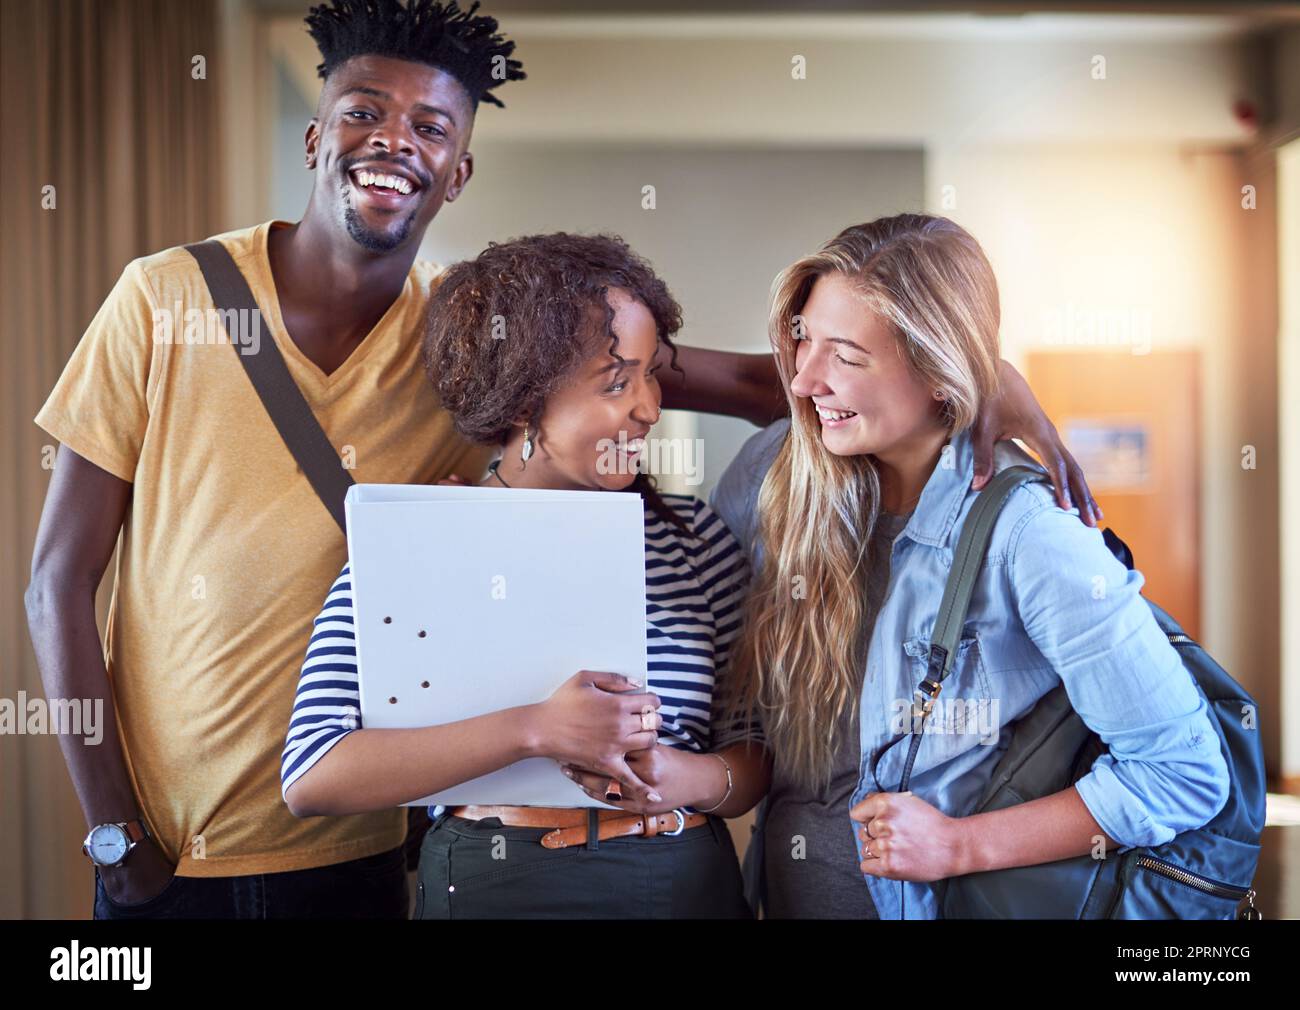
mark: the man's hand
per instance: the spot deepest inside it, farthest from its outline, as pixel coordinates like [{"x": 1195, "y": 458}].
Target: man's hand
[
  {"x": 143, "y": 875},
  {"x": 1015, "y": 413}
]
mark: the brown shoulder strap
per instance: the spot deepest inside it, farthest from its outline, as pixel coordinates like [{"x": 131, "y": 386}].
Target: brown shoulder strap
[{"x": 280, "y": 395}]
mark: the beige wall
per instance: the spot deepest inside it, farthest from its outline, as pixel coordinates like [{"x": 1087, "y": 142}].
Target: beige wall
[{"x": 891, "y": 79}]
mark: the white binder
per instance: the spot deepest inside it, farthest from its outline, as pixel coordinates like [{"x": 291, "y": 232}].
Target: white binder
[{"x": 492, "y": 597}]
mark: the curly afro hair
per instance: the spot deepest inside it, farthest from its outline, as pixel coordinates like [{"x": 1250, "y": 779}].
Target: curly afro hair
[
  {"x": 438, "y": 34},
  {"x": 548, "y": 292}
]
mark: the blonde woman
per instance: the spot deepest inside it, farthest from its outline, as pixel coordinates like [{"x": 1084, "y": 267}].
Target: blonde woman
[{"x": 887, "y": 345}]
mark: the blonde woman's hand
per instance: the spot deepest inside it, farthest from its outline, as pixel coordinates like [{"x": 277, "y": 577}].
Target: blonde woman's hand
[{"x": 902, "y": 837}]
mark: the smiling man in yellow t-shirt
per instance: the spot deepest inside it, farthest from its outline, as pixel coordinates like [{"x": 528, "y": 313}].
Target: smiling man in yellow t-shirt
[{"x": 226, "y": 551}]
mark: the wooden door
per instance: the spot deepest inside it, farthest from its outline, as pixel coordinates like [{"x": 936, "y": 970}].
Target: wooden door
[{"x": 1132, "y": 422}]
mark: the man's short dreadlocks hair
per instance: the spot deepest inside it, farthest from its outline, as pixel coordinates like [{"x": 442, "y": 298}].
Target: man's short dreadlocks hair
[{"x": 437, "y": 34}]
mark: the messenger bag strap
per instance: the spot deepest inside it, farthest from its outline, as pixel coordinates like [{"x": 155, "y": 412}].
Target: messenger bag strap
[
  {"x": 972, "y": 545},
  {"x": 280, "y": 395}
]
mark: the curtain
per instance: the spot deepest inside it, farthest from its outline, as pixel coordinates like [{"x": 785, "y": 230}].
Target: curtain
[{"x": 100, "y": 100}]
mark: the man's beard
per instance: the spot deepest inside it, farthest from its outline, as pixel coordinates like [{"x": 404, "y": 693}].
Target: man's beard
[{"x": 374, "y": 241}]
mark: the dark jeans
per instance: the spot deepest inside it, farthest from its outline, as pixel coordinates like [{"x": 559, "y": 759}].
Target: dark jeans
[
  {"x": 483, "y": 870},
  {"x": 373, "y": 887}
]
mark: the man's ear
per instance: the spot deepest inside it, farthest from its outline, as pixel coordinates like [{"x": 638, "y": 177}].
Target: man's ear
[
  {"x": 461, "y": 179},
  {"x": 312, "y": 141}
]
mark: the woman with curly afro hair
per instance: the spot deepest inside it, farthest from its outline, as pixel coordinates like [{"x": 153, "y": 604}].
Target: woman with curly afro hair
[{"x": 550, "y": 347}]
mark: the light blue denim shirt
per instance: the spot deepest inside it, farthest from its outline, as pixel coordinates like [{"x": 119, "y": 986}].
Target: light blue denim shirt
[{"x": 1051, "y": 605}]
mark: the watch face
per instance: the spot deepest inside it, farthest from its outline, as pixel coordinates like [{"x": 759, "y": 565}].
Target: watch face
[{"x": 108, "y": 844}]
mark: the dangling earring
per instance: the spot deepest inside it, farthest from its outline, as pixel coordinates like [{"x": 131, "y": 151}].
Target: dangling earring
[{"x": 527, "y": 449}]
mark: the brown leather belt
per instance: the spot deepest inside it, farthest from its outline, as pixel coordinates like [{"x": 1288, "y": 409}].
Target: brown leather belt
[{"x": 570, "y": 824}]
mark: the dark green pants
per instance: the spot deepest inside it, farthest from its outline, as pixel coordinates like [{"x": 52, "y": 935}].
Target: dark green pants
[{"x": 484, "y": 870}]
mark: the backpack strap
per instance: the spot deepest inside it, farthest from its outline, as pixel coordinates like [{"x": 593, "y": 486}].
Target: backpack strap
[
  {"x": 967, "y": 560},
  {"x": 280, "y": 395}
]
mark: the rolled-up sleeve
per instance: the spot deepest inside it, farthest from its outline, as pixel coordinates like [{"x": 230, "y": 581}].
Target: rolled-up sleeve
[
  {"x": 1165, "y": 771},
  {"x": 327, "y": 705}
]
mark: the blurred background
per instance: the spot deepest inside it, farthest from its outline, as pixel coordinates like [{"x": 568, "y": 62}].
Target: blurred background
[{"x": 1132, "y": 170}]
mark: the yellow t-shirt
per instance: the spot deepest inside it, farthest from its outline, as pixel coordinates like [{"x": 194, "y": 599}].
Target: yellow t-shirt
[{"x": 226, "y": 553}]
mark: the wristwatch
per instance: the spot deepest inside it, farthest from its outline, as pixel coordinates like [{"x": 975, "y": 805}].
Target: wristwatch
[{"x": 110, "y": 844}]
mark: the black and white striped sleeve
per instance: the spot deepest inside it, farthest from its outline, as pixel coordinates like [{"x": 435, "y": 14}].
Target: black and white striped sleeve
[
  {"x": 725, "y": 574},
  {"x": 327, "y": 705}
]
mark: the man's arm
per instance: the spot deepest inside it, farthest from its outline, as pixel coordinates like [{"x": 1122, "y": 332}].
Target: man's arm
[
  {"x": 748, "y": 386},
  {"x": 1016, "y": 413},
  {"x": 84, "y": 510},
  {"x": 724, "y": 382}
]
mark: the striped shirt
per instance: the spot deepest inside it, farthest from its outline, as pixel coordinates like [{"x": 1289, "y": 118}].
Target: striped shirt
[{"x": 694, "y": 594}]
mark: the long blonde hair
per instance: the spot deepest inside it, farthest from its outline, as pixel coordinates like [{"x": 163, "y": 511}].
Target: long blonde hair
[{"x": 800, "y": 658}]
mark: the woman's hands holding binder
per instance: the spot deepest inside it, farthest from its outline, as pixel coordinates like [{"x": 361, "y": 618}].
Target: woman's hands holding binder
[
  {"x": 674, "y": 774},
  {"x": 593, "y": 720}
]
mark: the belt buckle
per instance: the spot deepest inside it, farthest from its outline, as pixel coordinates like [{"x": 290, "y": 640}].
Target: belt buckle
[{"x": 681, "y": 823}]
